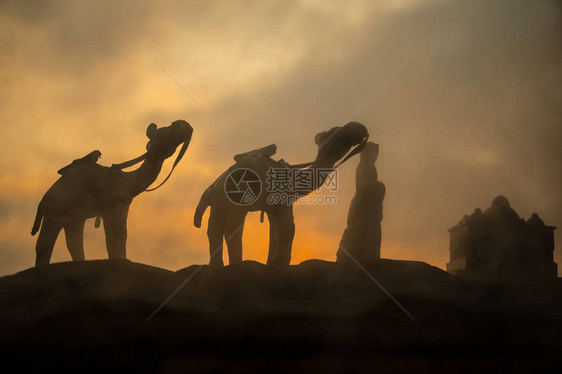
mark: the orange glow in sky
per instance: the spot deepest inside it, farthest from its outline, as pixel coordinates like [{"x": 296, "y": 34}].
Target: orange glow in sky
[{"x": 474, "y": 114}]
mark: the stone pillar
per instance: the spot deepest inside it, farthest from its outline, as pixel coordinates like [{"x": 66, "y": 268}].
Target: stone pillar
[{"x": 362, "y": 237}]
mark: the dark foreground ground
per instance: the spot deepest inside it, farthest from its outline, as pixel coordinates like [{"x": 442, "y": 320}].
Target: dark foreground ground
[{"x": 316, "y": 317}]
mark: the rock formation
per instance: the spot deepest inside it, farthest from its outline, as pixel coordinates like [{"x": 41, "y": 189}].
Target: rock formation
[{"x": 362, "y": 237}]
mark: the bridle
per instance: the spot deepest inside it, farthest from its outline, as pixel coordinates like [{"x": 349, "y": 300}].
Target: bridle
[
  {"x": 135, "y": 161},
  {"x": 358, "y": 148}
]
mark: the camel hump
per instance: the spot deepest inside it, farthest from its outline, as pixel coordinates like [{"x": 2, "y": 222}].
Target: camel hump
[
  {"x": 90, "y": 159},
  {"x": 267, "y": 151}
]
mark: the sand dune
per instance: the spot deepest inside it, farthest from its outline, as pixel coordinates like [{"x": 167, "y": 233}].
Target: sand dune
[{"x": 315, "y": 316}]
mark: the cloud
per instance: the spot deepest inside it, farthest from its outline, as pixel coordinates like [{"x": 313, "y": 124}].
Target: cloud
[{"x": 476, "y": 113}]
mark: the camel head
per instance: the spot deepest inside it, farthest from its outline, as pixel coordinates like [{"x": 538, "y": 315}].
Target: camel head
[
  {"x": 336, "y": 142},
  {"x": 164, "y": 140}
]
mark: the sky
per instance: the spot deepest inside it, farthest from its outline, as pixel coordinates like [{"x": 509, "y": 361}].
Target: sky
[{"x": 463, "y": 97}]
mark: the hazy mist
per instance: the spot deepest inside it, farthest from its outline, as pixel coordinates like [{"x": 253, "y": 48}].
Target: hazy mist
[{"x": 476, "y": 112}]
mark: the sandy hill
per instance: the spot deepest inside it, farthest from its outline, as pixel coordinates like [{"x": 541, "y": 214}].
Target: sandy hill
[{"x": 317, "y": 316}]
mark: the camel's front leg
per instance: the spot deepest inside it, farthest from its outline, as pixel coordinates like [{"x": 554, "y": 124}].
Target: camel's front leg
[
  {"x": 75, "y": 239},
  {"x": 215, "y": 232},
  {"x": 115, "y": 226},
  {"x": 233, "y": 237},
  {"x": 285, "y": 226},
  {"x": 47, "y": 237},
  {"x": 272, "y": 238}
]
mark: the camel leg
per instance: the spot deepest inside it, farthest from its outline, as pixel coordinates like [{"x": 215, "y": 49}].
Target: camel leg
[
  {"x": 122, "y": 213},
  {"x": 285, "y": 227},
  {"x": 110, "y": 234},
  {"x": 75, "y": 240},
  {"x": 46, "y": 241},
  {"x": 215, "y": 233},
  {"x": 233, "y": 237},
  {"x": 272, "y": 238},
  {"x": 115, "y": 226}
]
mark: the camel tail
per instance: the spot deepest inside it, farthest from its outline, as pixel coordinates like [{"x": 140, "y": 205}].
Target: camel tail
[
  {"x": 201, "y": 207},
  {"x": 38, "y": 219}
]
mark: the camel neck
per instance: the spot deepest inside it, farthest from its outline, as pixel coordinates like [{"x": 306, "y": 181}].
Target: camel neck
[
  {"x": 140, "y": 179},
  {"x": 318, "y": 164},
  {"x": 324, "y": 163}
]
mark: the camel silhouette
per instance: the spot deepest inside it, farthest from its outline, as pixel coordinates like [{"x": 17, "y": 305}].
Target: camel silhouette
[
  {"x": 87, "y": 189},
  {"x": 227, "y": 217}
]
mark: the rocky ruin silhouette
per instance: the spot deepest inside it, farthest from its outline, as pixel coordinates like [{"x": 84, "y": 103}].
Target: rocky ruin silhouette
[
  {"x": 87, "y": 189},
  {"x": 498, "y": 243},
  {"x": 226, "y": 219},
  {"x": 362, "y": 237}
]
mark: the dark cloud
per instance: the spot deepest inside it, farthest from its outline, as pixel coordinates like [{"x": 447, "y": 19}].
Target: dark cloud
[
  {"x": 476, "y": 113},
  {"x": 82, "y": 34}
]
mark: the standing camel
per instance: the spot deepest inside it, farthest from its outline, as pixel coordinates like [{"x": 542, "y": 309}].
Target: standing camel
[
  {"x": 87, "y": 189},
  {"x": 227, "y": 217}
]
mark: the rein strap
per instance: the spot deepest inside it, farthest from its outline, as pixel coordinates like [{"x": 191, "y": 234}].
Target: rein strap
[
  {"x": 128, "y": 164},
  {"x": 176, "y": 162},
  {"x": 352, "y": 153}
]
